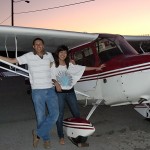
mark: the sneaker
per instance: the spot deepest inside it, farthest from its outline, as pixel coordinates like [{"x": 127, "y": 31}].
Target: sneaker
[
  {"x": 35, "y": 139},
  {"x": 62, "y": 141},
  {"x": 47, "y": 144}
]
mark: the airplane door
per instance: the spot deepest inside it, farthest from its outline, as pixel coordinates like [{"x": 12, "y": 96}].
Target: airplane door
[
  {"x": 89, "y": 83},
  {"x": 92, "y": 88},
  {"x": 112, "y": 90}
]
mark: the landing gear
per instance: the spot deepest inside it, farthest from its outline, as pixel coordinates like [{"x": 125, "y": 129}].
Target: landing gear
[
  {"x": 95, "y": 105},
  {"x": 80, "y": 141},
  {"x": 143, "y": 109},
  {"x": 78, "y": 130}
]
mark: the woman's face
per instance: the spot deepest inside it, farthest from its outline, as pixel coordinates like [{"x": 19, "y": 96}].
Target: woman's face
[{"x": 62, "y": 55}]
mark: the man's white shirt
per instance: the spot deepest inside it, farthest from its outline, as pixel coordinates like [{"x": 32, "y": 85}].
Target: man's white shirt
[{"x": 39, "y": 69}]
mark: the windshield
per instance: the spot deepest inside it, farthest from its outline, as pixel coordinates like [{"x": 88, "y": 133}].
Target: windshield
[{"x": 109, "y": 47}]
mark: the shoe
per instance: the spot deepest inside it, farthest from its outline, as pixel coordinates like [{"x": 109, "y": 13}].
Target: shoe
[
  {"x": 62, "y": 141},
  {"x": 47, "y": 144},
  {"x": 35, "y": 139}
]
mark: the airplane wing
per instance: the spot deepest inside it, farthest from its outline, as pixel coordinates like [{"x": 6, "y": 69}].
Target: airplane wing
[
  {"x": 140, "y": 43},
  {"x": 136, "y": 38},
  {"x": 20, "y": 38}
]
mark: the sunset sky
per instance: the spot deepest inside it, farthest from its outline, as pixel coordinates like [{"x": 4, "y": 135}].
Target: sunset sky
[{"x": 126, "y": 17}]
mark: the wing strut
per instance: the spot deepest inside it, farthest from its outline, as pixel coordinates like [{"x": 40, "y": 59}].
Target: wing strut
[
  {"x": 141, "y": 47},
  {"x": 22, "y": 72},
  {"x": 95, "y": 105},
  {"x": 6, "y": 49},
  {"x": 86, "y": 97},
  {"x": 16, "y": 45}
]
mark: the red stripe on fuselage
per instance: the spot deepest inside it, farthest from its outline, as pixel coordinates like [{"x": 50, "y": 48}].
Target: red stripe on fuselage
[{"x": 116, "y": 72}]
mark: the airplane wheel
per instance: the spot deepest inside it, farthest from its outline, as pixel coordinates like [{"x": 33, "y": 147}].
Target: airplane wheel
[
  {"x": 147, "y": 119},
  {"x": 80, "y": 139}
]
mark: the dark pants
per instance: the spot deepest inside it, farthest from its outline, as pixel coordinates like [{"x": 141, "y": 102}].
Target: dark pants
[{"x": 71, "y": 100}]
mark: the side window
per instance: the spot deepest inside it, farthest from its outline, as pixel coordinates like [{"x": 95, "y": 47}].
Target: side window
[
  {"x": 89, "y": 57},
  {"x": 78, "y": 57},
  {"x": 84, "y": 57}
]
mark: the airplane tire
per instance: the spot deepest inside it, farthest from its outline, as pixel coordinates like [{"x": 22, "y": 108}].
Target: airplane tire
[{"x": 80, "y": 139}]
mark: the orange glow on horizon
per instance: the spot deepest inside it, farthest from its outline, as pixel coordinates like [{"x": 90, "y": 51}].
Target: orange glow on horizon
[{"x": 115, "y": 16}]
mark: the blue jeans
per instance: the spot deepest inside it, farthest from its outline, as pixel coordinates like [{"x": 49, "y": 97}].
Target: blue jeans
[
  {"x": 41, "y": 98},
  {"x": 71, "y": 100}
]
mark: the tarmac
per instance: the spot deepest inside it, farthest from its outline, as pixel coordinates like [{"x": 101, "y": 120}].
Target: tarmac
[{"x": 117, "y": 128}]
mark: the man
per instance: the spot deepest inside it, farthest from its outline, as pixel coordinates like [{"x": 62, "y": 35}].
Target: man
[{"x": 43, "y": 92}]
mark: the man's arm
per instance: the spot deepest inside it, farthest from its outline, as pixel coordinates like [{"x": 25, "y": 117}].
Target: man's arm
[{"x": 10, "y": 60}]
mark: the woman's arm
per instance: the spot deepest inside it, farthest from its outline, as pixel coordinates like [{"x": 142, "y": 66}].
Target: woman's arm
[{"x": 95, "y": 68}]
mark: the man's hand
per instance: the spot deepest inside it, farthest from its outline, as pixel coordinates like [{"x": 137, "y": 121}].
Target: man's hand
[{"x": 57, "y": 85}]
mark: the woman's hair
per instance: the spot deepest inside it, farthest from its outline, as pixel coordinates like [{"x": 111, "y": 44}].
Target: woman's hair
[{"x": 56, "y": 55}]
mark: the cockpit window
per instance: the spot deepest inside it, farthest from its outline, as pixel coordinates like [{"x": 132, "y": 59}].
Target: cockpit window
[
  {"x": 85, "y": 57},
  {"x": 78, "y": 57},
  {"x": 107, "y": 49}
]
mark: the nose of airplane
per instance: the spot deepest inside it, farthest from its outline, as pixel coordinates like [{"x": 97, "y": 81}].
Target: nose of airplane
[{"x": 75, "y": 127}]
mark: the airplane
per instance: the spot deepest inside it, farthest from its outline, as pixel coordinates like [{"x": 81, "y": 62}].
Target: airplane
[{"x": 125, "y": 79}]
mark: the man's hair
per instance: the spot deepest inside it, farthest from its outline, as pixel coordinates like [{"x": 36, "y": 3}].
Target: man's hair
[{"x": 39, "y": 40}]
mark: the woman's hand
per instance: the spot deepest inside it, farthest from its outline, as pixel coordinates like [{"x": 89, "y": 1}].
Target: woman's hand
[
  {"x": 72, "y": 61},
  {"x": 101, "y": 67}
]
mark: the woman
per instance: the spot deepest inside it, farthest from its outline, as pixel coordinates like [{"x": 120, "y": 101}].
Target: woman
[{"x": 65, "y": 74}]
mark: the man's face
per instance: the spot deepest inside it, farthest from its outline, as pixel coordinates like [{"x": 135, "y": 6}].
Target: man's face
[{"x": 38, "y": 46}]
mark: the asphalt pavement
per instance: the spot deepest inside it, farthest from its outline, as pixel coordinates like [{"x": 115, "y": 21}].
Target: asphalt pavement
[{"x": 117, "y": 128}]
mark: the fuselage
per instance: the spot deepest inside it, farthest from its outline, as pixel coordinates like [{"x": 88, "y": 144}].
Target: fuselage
[{"x": 124, "y": 80}]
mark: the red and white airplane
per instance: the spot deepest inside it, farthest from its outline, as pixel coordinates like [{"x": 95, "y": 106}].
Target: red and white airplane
[{"x": 125, "y": 79}]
